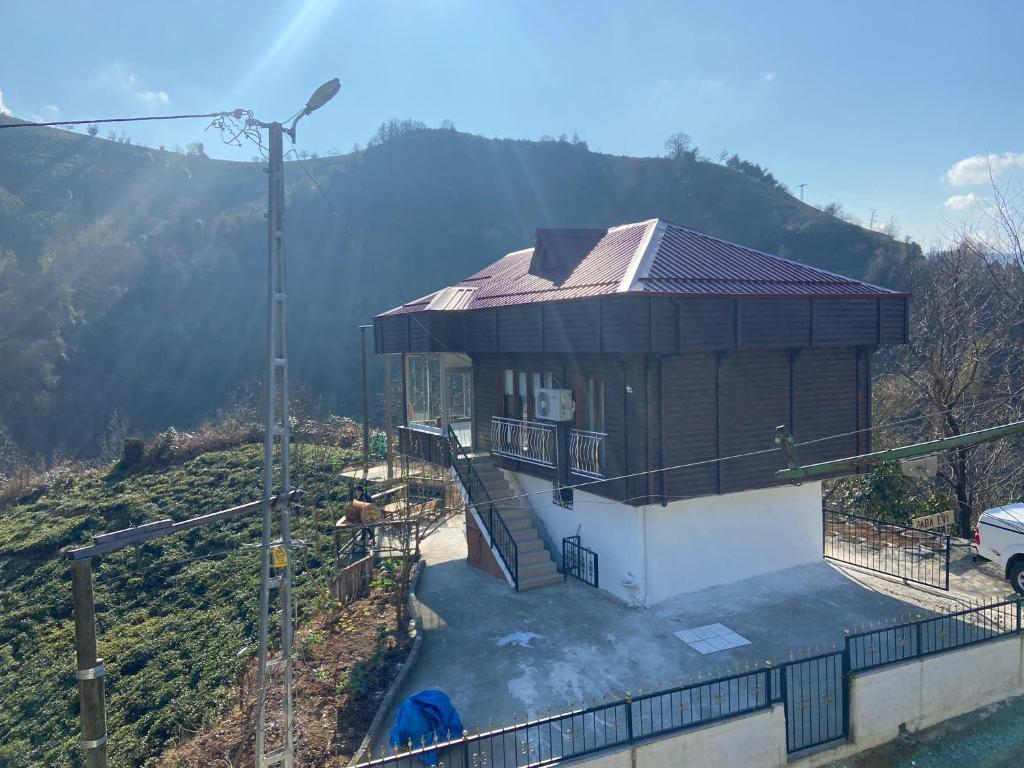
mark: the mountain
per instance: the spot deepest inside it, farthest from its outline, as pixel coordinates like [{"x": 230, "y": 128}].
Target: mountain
[{"x": 133, "y": 279}]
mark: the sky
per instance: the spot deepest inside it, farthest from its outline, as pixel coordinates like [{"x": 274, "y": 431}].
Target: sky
[{"x": 895, "y": 110}]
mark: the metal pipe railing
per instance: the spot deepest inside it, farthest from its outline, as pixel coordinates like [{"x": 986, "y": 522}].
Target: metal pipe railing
[{"x": 531, "y": 441}]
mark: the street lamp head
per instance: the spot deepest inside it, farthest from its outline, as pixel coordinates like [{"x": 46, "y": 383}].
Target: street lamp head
[{"x": 322, "y": 95}]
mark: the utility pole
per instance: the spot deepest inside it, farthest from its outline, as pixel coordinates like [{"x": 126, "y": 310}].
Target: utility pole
[
  {"x": 277, "y": 554},
  {"x": 871, "y": 224},
  {"x": 801, "y": 187},
  {"x": 89, "y": 667},
  {"x": 366, "y": 406},
  {"x": 389, "y": 427}
]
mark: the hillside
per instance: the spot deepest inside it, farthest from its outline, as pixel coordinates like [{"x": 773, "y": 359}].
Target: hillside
[
  {"x": 132, "y": 279},
  {"x": 177, "y": 617}
]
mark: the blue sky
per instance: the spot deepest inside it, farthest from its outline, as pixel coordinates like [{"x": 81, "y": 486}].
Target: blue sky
[{"x": 877, "y": 105}]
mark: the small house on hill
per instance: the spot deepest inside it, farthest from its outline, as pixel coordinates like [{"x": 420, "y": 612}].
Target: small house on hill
[{"x": 623, "y": 386}]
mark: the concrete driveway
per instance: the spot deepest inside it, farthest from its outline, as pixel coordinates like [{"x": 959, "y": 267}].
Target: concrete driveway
[{"x": 499, "y": 654}]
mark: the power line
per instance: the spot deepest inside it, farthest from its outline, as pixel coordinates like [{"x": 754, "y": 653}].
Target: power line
[{"x": 234, "y": 113}]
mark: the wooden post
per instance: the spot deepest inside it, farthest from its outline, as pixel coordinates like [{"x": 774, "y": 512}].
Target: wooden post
[
  {"x": 90, "y": 668},
  {"x": 366, "y": 405},
  {"x": 389, "y": 415}
]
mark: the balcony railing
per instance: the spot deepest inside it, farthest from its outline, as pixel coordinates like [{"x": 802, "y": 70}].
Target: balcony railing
[
  {"x": 529, "y": 441},
  {"x": 586, "y": 453}
]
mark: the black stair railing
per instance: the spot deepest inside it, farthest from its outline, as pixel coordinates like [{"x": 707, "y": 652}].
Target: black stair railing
[{"x": 480, "y": 498}]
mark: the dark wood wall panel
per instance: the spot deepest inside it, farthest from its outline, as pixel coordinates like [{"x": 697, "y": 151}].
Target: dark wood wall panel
[
  {"x": 892, "y": 315},
  {"x": 707, "y": 324},
  {"x": 486, "y": 371},
  {"x": 571, "y": 327},
  {"x": 664, "y": 326},
  {"x": 863, "y": 401},
  {"x": 689, "y": 424},
  {"x": 775, "y": 323},
  {"x": 845, "y": 323},
  {"x": 610, "y": 369},
  {"x": 419, "y": 335},
  {"x": 480, "y": 330},
  {"x": 394, "y": 333},
  {"x": 825, "y": 402},
  {"x": 755, "y": 398},
  {"x": 519, "y": 329},
  {"x": 625, "y": 324}
]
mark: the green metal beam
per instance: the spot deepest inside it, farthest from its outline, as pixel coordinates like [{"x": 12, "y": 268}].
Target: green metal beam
[{"x": 854, "y": 463}]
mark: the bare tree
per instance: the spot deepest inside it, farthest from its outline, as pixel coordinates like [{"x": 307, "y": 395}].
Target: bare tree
[
  {"x": 960, "y": 371},
  {"x": 1004, "y": 242},
  {"x": 679, "y": 146}
]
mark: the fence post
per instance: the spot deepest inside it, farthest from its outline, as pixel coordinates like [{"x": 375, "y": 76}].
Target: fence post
[
  {"x": 920, "y": 637},
  {"x": 846, "y": 688},
  {"x": 465, "y": 749},
  {"x": 768, "y": 682},
  {"x": 629, "y": 717},
  {"x": 1017, "y": 601},
  {"x": 947, "y": 563}
]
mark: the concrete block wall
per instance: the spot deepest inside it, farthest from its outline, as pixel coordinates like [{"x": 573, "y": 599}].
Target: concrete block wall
[{"x": 915, "y": 694}]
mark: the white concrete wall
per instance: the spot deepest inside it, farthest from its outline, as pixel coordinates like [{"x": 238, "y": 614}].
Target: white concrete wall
[
  {"x": 611, "y": 529},
  {"x": 687, "y": 545},
  {"x": 698, "y": 543}
]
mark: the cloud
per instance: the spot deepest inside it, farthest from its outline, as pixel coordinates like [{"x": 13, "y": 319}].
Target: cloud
[
  {"x": 47, "y": 113},
  {"x": 975, "y": 169},
  {"x": 3, "y": 107},
  {"x": 122, "y": 78},
  {"x": 959, "y": 202},
  {"x": 767, "y": 77}
]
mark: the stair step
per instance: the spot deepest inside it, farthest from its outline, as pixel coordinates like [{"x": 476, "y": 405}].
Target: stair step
[
  {"x": 534, "y": 556},
  {"x": 541, "y": 581}
]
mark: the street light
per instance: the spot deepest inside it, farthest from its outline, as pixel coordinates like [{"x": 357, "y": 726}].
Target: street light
[{"x": 277, "y": 425}]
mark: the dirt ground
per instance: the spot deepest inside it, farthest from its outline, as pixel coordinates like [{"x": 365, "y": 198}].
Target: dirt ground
[{"x": 345, "y": 660}]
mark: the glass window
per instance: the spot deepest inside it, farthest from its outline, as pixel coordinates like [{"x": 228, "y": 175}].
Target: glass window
[
  {"x": 509, "y": 393},
  {"x": 524, "y": 403},
  {"x": 423, "y": 389}
]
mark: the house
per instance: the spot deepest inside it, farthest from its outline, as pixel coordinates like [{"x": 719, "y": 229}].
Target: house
[{"x": 681, "y": 353}]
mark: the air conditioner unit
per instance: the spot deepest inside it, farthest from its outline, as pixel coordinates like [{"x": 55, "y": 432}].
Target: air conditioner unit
[{"x": 555, "y": 404}]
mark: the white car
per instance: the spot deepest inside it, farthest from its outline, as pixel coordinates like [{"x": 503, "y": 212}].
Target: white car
[{"x": 1000, "y": 537}]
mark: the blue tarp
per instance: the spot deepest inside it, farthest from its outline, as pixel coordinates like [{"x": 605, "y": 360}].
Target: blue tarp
[{"x": 423, "y": 718}]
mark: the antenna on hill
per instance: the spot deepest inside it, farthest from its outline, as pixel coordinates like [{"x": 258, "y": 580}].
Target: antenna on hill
[{"x": 801, "y": 187}]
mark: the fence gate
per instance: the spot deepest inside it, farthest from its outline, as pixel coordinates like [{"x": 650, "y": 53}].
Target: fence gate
[
  {"x": 814, "y": 692},
  {"x": 578, "y": 561},
  {"x": 883, "y": 547}
]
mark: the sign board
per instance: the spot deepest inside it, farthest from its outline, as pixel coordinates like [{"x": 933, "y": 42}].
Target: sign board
[
  {"x": 939, "y": 520},
  {"x": 279, "y": 557}
]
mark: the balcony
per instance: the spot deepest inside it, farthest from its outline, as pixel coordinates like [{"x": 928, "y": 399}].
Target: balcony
[
  {"x": 586, "y": 453},
  {"x": 532, "y": 442}
]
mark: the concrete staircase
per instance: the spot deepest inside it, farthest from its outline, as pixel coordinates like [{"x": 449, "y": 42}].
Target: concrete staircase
[{"x": 536, "y": 568}]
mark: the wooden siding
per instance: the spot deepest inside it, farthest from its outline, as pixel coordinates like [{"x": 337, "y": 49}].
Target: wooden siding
[
  {"x": 707, "y": 324},
  {"x": 480, "y": 330},
  {"x": 892, "y": 316},
  {"x": 519, "y": 329},
  {"x": 570, "y": 326},
  {"x": 485, "y": 402},
  {"x": 690, "y": 423},
  {"x": 825, "y": 398},
  {"x": 754, "y": 397},
  {"x": 774, "y": 323},
  {"x": 845, "y": 323},
  {"x": 394, "y": 333},
  {"x": 625, "y": 324},
  {"x": 664, "y": 325}
]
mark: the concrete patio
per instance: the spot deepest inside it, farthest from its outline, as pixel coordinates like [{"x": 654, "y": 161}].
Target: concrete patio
[{"x": 499, "y": 654}]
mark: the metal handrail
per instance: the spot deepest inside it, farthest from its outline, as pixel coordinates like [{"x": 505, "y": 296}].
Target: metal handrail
[
  {"x": 480, "y": 498},
  {"x": 534, "y": 442},
  {"x": 586, "y": 452}
]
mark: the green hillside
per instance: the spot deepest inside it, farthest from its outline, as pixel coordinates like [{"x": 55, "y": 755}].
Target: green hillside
[
  {"x": 132, "y": 279},
  {"x": 177, "y": 617}
]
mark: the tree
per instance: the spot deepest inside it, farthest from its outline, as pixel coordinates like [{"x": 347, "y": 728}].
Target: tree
[
  {"x": 195, "y": 149},
  {"x": 93, "y": 130},
  {"x": 679, "y": 146},
  {"x": 961, "y": 371},
  {"x": 1004, "y": 245}
]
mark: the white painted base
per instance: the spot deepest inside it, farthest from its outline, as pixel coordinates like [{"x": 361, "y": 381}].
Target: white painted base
[{"x": 649, "y": 554}]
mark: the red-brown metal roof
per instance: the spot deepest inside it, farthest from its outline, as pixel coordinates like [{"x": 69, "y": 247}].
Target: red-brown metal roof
[{"x": 645, "y": 257}]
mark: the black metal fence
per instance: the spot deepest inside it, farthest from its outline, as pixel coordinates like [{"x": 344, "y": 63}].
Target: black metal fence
[
  {"x": 578, "y": 561},
  {"x": 883, "y": 547},
  {"x": 814, "y": 693}
]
